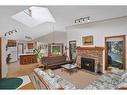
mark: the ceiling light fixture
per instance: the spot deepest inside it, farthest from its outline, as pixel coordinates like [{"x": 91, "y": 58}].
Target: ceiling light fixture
[
  {"x": 53, "y": 34},
  {"x": 88, "y": 19},
  {"x": 82, "y": 20},
  {"x": 10, "y": 32},
  {"x": 28, "y": 37}
]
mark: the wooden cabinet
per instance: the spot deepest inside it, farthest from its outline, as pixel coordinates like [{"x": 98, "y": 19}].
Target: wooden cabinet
[
  {"x": 27, "y": 59},
  {"x": 11, "y": 43}
]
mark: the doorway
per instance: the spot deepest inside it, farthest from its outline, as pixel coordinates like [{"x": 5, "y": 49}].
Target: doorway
[
  {"x": 72, "y": 50},
  {"x": 20, "y": 48},
  {"x": 115, "y": 52}
]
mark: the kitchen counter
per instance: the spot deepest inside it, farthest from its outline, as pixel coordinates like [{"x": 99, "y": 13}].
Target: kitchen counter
[
  {"x": 27, "y": 59},
  {"x": 27, "y": 54}
]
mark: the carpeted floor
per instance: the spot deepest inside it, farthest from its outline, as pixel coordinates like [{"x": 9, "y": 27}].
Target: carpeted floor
[{"x": 80, "y": 78}]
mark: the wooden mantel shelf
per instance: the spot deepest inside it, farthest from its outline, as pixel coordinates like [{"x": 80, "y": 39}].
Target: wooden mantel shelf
[{"x": 91, "y": 48}]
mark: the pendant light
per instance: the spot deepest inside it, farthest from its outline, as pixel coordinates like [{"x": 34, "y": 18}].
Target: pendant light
[{"x": 53, "y": 34}]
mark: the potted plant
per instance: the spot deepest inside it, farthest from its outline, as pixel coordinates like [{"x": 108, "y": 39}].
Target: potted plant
[{"x": 39, "y": 53}]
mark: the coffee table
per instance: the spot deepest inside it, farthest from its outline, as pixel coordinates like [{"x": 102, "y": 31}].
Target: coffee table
[{"x": 69, "y": 67}]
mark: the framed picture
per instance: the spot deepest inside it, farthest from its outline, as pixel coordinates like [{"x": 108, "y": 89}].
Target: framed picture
[{"x": 87, "y": 40}]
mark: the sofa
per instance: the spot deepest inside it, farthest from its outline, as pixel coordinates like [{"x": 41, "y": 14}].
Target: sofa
[
  {"x": 47, "y": 80},
  {"x": 109, "y": 81},
  {"x": 53, "y": 62}
]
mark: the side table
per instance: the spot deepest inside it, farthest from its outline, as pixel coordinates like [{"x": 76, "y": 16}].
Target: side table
[{"x": 40, "y": 65}]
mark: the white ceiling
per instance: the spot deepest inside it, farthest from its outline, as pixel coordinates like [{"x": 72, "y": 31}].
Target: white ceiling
[{"x": 64, "y": 16}]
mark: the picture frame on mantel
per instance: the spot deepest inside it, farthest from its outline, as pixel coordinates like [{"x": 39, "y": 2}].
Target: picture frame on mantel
[{"x": 87, "y": 40}]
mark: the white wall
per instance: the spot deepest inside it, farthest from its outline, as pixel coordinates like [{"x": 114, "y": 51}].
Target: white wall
[
  {"x": 56, "y": 37},
  {"x": 99, "y": 31},
  {"x": 4, "y": 55}
]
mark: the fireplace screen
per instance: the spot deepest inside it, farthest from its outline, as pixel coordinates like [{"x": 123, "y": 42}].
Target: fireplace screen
[{"x": 88, "y": 64}]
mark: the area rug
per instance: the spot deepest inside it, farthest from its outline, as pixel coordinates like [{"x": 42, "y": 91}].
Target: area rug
[
  {"x": 14, "y": 82},
  {"x": 80, "y": 78},
  {"x": 10, "y": 83},
  {"x": 26, "y": 80}
]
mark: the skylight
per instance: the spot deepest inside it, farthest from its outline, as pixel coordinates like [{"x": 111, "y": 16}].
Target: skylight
[{"x": 34, "y": 16}]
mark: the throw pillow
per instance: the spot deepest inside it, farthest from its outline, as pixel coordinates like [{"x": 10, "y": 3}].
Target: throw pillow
[
  {"x": 117, "y": 71},
  {"x": 50, "y": 73},
  {"x": 124, "y": 76},
  {"x": 122, "y": 85}
]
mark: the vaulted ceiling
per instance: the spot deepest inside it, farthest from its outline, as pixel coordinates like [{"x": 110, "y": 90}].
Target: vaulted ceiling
[{"x": 64, "y": 16}]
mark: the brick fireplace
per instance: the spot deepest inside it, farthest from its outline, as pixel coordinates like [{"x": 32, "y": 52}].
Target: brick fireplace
[{"x": 95, "y": 53}]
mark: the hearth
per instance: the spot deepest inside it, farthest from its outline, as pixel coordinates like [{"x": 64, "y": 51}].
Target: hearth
[
  {"x": 88, "y": 64},
  {"x": 95, "y": 53}
]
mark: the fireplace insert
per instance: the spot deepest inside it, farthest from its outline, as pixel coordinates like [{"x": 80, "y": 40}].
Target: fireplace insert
[{"x": 88, "y": 64}]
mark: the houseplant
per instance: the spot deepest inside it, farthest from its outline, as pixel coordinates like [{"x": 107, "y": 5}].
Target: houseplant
[{"x": 39, "y": 53}]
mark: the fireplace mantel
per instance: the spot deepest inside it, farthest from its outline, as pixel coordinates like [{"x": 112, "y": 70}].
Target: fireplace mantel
[{"x": 91, "y": 48}]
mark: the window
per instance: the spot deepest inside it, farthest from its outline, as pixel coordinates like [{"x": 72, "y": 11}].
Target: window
[
  {"x": 30, "y": 45},
  {"x": 55, "y": 49},
  {"x": 72, "y": 49}
]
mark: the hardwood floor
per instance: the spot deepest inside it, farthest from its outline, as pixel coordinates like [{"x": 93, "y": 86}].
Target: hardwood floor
[
  {"x": 27, "y": 87},
  {"x": 15, "y": 69}
]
